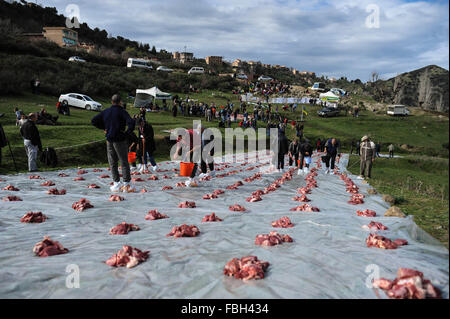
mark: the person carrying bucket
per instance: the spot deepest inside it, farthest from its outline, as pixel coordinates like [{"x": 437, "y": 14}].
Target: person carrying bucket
[
  {"x": 132, "y": 142},
  {"x": 187, "y": 164}
]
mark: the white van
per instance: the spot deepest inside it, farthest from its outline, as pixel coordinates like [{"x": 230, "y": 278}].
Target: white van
[
  {"x": 139, "y": 63},
  {"x": 397, "y": 110},
  {"x": 196, "y": 70},
  {"x": 318, "y": 86}
]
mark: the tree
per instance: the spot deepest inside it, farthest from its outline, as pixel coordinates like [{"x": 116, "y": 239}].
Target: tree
[
  {"x": 153, "y": 50},
  {"x": 374, "y": 76}
]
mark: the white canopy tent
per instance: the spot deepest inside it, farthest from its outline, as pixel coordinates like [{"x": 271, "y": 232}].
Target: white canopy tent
[
  {"x": 144, "y": 97},
  {"x": 329, "y": 97}
]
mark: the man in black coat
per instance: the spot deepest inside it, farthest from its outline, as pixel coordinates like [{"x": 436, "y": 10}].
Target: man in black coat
[
  {"x": 31, "y": 141},
  {"x": 283, "y": 148},
  {"x": 3, "y": 142}
]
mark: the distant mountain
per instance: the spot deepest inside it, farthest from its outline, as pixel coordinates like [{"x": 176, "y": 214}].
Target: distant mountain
[{"x": 426, "y": 88}]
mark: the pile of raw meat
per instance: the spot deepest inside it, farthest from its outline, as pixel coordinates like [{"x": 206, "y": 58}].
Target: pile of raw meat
[
  {"x": 11, "y": 199},
  {"x": 55, "y": 191},
  {"x": 211, "y": 218},
  {"x": 10, "y": 188},
  {"x": 48, "y": 247},
  {"x": 82, "y": 204},
  {"x": 366, "y": 213},
  {"x": 305, "y": 208},
  {"x": 127, "y": 256},
  {"x": 116, "y": 198},
  {"x": 123, "y": 229},
  {"x": 375, "y": 226},
  {"x": 184, "y": 231},
  {"x": 283, "y": 222},
  {"x": 237, "y": 208},
  {"x": 379, "y": 241},
  {"x": 154, "y": 215},
  {"x": 48, "y": 183},
  {"x": 272, "y": 239},
  {"x": 186, "y": 204},
  {"x": 409, "y": 284},
  {"x": 246, "y": 268},
  {"x": 33, "y": 217}
]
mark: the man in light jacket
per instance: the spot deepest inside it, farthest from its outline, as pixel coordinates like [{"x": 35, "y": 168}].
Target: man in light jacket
[{"x": 367, "y": 151}]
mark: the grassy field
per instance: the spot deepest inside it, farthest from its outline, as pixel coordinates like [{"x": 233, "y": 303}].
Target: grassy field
[{"x": 418, "y": 180}]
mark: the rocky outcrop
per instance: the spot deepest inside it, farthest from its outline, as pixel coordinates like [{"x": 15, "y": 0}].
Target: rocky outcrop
[
  {"x": 394, "y": 211},
  {"x": 426, "y": 88}
]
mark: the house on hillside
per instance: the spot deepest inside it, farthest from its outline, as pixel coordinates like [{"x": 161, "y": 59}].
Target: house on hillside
[
  {"x": 62, "y": 36},
  {"x": 213, "y": 60},
  {"x": 183, "y": 57}
]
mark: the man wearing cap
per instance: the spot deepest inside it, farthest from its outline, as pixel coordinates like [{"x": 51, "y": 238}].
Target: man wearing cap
[
  {"x": 367, "y": 151},
  {"x": 31, "y": 141},
  {"x": 113, "y": 121}
]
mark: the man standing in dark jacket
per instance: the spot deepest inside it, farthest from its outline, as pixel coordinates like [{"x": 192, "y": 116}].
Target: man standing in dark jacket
[
  {"x": 31, "y": 141},
  {"x": 3, "y": 142},
  {"x": 113, "y": 121},
  {"x": 283, "y": 148},
  {"x": 332, "y": 148}
]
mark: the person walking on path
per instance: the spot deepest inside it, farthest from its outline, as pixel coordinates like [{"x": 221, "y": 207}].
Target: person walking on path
[
  {"x": 113, "y": 121},
  {"x": 377, "y": 149},
  {"x": 367, "y": 157},
  {"x": 391, "y": 150},
  {"x": 31, "y": 141},
  {"x": 332, "y": 149}
]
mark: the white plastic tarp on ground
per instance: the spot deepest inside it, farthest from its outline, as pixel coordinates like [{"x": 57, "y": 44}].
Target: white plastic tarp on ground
[{"x": 328, "y": 258}]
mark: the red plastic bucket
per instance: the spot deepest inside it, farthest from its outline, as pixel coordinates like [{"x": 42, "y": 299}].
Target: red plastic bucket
[
  {"x": 186, "y": 168},
  {"x": 131, "y": 157}
]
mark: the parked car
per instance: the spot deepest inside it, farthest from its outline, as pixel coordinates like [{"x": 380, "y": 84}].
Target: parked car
[
  {"x": 242, "y": 76},
  {"x": 318, "y": 86},
  {"x": 164, "y": 69},
  {"x": 264, "y": 78},
  {"x": 80, "y": 100},
  {"x": 139, "y": 63},
  {"x": 398, "y": 110},
  {"x": 196, "y": 70},
  {"x": 328, "y": 112},
  {"x": 338, "y": 92},
  {"x": 76, "y": 59}
]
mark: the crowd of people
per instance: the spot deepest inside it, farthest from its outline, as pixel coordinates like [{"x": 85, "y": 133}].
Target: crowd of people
[
  {"x": 268, "y": 88},
  {"x": 120, "y": 142}
]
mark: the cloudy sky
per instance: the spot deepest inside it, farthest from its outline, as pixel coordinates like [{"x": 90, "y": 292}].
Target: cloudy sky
[{"x": 331, "y": 37}]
